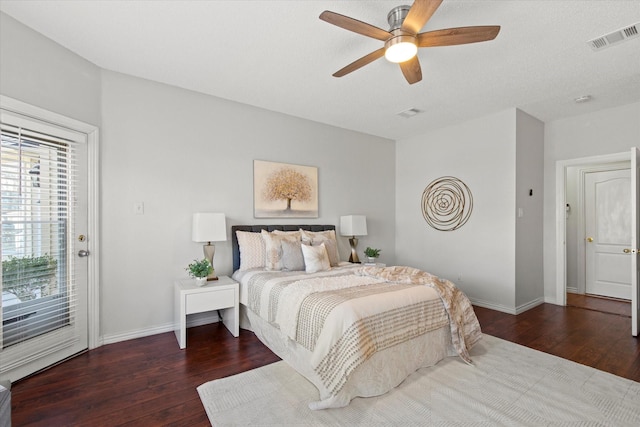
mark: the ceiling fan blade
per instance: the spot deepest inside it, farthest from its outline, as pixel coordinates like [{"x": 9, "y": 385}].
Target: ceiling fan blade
[
  {"x": 419, "y": 14},
  {"x": 455, "y": 36},
  {"x": 354, "y": 25},
  {"x": 359, "y": 63},
  {"x": 411, "y": 70}
]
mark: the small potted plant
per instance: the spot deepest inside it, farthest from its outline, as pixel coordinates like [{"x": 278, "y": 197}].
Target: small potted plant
[
  {"x": 200, "y": 270},
  {"x": 372, "y": 254}
]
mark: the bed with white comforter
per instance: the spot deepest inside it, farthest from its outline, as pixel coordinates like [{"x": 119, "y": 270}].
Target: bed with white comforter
[{"x": 357, "y": 331}]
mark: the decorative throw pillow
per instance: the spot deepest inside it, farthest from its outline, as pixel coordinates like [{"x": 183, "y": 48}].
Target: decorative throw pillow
[
  {"x": 273, "y": 248},
  {"x": 309, "y": 236},
  {"x": 295, "y": 234},
  {"x": 332, "y": 250},
  {"x": 329, "y": 237},
  {"x": 292, "y": 258},
  {"x": 252, "y": 250},
  {"x": 315, "y": 258}
]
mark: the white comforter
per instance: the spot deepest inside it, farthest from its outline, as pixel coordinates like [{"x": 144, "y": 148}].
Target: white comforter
[{"x": 343, "y": 317}]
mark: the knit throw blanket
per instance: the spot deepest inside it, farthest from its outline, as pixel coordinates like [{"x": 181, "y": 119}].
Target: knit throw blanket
[{"x": 465, "y": 329}]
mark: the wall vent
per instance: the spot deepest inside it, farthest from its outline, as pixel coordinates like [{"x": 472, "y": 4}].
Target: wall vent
[
  {"x": 615, "y": 37},
  {"x": 407, "y": 114}
]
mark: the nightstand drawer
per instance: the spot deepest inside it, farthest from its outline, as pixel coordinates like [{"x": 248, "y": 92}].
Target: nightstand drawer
[{"x": 199, "y": 302}]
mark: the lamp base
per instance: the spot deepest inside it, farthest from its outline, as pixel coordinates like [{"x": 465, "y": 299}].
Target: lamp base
[
  {"x": 209, "y": 250},
  {"x": 354, "y": 254}
]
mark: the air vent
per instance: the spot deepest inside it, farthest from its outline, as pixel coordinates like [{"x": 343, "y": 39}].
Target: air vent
[
  {"x": 631, "y": 31},
  {"x": 582, "y": 99},
  {"x": 407, "y": 114},
  {"x": 614, "y": 37}
]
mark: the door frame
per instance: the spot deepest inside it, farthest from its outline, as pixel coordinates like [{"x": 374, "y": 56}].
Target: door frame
[
  {"x": 93, "y": 203},
  {"x": 561, "y": 231}
]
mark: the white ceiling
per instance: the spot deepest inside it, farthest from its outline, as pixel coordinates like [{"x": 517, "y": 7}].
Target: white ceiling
[{"x": 278, "y": 55}]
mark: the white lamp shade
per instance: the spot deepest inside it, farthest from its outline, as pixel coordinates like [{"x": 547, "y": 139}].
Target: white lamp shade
[
  {"x": 209, "y": 227},
  {"x": 353, "y": 225}
]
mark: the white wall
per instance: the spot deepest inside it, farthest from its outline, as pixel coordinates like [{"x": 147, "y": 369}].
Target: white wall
[
  {"x": 181, "y": 152},
  {"x": 609, "y": 131},
  {"x": 479, "y": 256},
  {"x": 529, "y": 200},
  {"x": 38, "y": 71}
]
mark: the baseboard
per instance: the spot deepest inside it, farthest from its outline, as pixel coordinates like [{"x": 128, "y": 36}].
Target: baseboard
[
  {"x": 509, "y": 310},
  {"x": 192, "y": 321},
  {"x": 492, "y": 306},
  {"x": 528, "y": 306}
]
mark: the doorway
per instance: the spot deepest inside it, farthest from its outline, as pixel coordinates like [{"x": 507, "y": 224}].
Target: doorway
[
  {"x": 566, "y": 209},
  {"x": 597, "y": 222},
  {"x": 49, "y": 227}
]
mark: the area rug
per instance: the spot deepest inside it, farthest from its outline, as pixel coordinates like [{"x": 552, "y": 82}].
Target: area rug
[{"x": 508, "y": 385}]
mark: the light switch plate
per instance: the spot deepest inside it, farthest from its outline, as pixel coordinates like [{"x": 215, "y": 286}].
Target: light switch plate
[{"x": 138, "y": 208}]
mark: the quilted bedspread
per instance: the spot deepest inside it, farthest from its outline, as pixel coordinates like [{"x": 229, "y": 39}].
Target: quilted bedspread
[{"x": 345, "y": 315}]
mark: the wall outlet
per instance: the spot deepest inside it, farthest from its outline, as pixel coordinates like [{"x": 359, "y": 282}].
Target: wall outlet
[{"x": 138, "y": 208}]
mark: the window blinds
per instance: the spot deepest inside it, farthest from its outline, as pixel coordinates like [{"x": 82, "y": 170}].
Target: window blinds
[{"x": 39, "y": 178}]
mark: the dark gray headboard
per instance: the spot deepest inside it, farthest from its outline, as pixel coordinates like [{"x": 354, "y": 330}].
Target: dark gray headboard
[{"x": 259, "y": 228}]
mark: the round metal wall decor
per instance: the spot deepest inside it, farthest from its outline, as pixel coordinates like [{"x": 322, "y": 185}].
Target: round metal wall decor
[{"x": 447, "y": 203}]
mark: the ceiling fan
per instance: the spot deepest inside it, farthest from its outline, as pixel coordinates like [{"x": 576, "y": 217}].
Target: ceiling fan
[{"x": 402, "y": 41}]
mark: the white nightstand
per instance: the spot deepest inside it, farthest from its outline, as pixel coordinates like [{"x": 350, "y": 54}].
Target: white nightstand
[
  {"x": 376, "y": 264},
  {"x": 215, "y": 295}
]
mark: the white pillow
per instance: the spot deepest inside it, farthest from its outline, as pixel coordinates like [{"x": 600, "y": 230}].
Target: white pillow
[
  {"x": 273, "y": 249},
  {"x": 315, "y": 258},
  {"x": 329, "y": 236},
  {"x": 252, "y": 250}
]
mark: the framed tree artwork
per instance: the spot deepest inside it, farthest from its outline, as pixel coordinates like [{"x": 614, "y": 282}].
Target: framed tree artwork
[{"x": 283, "y": 190}]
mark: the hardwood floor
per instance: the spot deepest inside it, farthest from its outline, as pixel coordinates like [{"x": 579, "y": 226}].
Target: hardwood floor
[
  {"x": 594, "y": 338},
  {"x": 598, "y": 303},
  {"x": 142, "y": 382},
  {"x": 151, "y": 382}
]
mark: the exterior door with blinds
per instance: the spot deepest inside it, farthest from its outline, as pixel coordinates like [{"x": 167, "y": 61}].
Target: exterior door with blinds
[{"x": 44, "y": 221}]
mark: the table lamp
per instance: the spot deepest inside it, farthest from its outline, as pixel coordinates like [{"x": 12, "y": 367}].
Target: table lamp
[
  {"x": 353, "y": 225},
  {"x": 209, "y": 227}
]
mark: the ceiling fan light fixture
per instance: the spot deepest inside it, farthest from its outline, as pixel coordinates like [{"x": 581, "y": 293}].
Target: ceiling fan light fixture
[
  {"x": 400, "y": 49},
  {"x": 402, "y": 40}
]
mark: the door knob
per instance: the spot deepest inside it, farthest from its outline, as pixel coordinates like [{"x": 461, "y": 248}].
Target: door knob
[
  {"x": 626, "y": 251},
  {"x": 589, "y": 239},
  {"x": 82, "y": 253}
]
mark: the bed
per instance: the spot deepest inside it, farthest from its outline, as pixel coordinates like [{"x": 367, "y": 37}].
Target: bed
[{"x": 351, "y": 330}]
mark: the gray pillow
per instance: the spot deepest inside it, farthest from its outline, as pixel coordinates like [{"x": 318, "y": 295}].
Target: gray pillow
[{"x": 292, "y": 259}]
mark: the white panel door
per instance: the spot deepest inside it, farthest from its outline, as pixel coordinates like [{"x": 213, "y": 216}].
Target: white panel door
[{"x": 608, "y": 224}]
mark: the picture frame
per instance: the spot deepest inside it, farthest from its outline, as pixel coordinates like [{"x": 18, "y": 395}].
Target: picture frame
[{"x": 284, "y": 190}]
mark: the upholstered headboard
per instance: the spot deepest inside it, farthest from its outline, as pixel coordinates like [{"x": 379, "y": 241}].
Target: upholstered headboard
[{"x": 259, "y": 228}]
